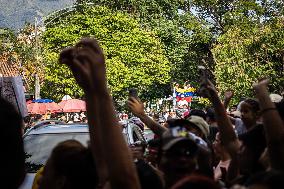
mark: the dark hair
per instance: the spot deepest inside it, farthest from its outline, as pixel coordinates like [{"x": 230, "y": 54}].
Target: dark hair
[
  {"x": 280, "y": 108},
  {"x": 254, "y": 104},
  {"x": 148, "y": 177},
  {"x": 154, "y": 143},
  {"x": 196, "y": 182},
  {"x": 13, "y": 156},
  {"x": 178, "y": 122},
  {"x": 197, "y": 112},
  {"x": 211, "y": 114},
  {"x": 74, "y": 161}
]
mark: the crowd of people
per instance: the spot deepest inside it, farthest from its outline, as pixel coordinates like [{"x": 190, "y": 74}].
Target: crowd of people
[{"x": 206, "y": 149}]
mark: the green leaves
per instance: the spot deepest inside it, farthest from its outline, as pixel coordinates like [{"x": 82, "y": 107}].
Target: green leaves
[
  {"x": 244, "y": 55},
  {"x": 135, "y": 57},
  {"x": 150, "y": 43}
]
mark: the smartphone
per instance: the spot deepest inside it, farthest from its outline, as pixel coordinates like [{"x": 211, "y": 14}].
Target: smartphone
[{"x": 133, "y": 93}]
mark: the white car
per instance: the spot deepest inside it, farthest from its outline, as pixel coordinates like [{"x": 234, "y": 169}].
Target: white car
[{"x": 43, "y": 137}]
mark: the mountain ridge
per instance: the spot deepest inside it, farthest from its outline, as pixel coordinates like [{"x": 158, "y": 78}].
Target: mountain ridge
[{"x": 15, "y": 13}]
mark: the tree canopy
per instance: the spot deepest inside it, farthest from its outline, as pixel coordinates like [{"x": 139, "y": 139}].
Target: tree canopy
[
  {"x": 151, "y": 44},
  {"x": 244, "y": 55},
  {"x": 186, "y": 38},
  {"x": 23, "y": 50},
  {"x": 135, "y": 56}
]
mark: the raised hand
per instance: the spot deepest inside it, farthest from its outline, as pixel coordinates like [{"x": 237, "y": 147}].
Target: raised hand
[
  {"x": 262, "y": 84},
  {"x": 273, "y": 125},
  {"x": 207, "y": 89},
  {"x": 136, "y": 107},
  {"x": 87, "y": 63},
  {"x": 229, "y": 94}
]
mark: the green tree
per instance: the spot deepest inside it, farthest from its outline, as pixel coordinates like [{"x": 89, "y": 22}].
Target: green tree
[
  {"x": 177, "y": 28},
  {"x": 201, "y": 32},
  {"x": 223, "y": 14},
  {"x": 135, "y": 56},
  {"x": 248, "y": 42},
  {"x": 29, "y": 49},
  {"x": 7, "y": 41},
  {"x": 244, "y": 55},
  {"x": 21, "y": 50}
]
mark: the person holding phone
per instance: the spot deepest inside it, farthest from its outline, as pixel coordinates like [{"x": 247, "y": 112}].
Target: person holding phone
[{"x": 133, "y": 93}]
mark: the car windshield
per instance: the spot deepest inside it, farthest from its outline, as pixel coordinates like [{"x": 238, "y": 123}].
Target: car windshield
[{"x": 39, "y": 147}]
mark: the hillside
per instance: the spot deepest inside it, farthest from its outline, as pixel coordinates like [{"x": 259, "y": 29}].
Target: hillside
[{"x": 14, "y": 13}]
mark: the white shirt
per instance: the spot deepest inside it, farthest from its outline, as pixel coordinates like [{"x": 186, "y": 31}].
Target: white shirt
[
  {"x": 182, "y": 103},
  {"x": 217, "y": 170}
]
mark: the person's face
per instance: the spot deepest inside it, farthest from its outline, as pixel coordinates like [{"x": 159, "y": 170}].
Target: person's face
[
  {"x": 247, "y": 115},
  {"x": 137, "y": 151},
  {"x": 217, "y": 146},
  {"x": 195, "y": 130},
  {"x": 178, "y": 160},
  {"x": 152, "y": 155},
  {"x": 207, "y": 120},
  {"x": 233, "y": 109}
]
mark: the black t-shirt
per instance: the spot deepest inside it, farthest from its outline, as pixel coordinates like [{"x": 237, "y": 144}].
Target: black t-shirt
[{"x": 254, "y": 143}]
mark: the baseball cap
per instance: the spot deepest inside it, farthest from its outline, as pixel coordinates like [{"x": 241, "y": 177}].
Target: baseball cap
[
  {"x": 170, "y": 141},
  {"x": 200, "y": 123},
  {"x": 276, "y": 98}
]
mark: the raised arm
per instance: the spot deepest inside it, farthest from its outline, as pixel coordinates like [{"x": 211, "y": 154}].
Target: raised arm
[
  {"x": 226, "y": 130},
  {"x": 137, "y": 108},
  {"x": 227, "y": 99},
  {"x": 88, "y": 66},
  {"x": 273, "y": 125},
  {"x": 227, "y": 133},
  {"x": 67, "y": 56},
  {"x": 228, "y": 96}
]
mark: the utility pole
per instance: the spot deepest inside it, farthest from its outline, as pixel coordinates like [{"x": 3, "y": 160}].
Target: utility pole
[
  {"x": 37, "y": 84},
  {"x": 174, "y": 95}
]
